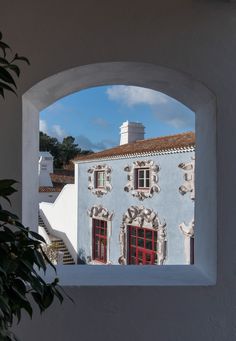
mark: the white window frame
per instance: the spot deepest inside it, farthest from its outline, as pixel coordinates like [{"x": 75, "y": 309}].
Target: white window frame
[
  {"x": 179, "y": 85},
  {"x": 145, "y": 178}
]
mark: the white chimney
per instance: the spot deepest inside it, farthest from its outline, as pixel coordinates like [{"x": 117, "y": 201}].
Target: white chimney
[
  {"x": 45, "y": 167},
  {"x": 131, "y": 132}
]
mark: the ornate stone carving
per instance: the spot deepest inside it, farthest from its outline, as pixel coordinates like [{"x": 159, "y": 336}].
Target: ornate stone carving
[
  {"x": 188, "y": 232},
  {"x": 98, "y": 211},
  {"x": 130, "y": 186},
  {"x": 189, "y": 178},
  {"x": 92, "y": 180},
  {"x": 141, "y": 216}
]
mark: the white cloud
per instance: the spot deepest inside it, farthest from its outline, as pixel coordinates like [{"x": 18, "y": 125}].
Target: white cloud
[
  {"x": 58, "y": 132},
  {"x": 134, "y": 95},
  {"x": 43, "y": 126},
  {"x": 164, "y": 108}
]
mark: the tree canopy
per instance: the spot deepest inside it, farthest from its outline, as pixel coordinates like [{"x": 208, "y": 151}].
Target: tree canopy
[{"x": 63, "y": 151}]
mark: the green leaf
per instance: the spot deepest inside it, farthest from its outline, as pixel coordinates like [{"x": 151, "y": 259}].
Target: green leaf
[
  {"x": 4, "y": 61},
  {"x": 6, "y": 76},
  {"x": 3, "y": 47},
  {"x": 22, "y": 58},
  {"x": 2, "y": 92},
  {"x": 14, "y": 68},
  {"x": 37, "y": 236},
  {"x": 7, "y": 87}
]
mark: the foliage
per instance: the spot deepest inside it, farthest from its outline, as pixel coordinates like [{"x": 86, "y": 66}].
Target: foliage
[
  {"x": 7, "y": 68},
  {"x": 63, "y": 151},
  {"x": 21, "y": 253}
]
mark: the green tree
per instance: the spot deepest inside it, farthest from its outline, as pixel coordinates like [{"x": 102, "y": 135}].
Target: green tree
[
  {"x": 68, "y": 150},
  {"x": 52, "y": 145},
  {"x": 21, "y": 252},
  {"x": 61, "y": 152}
]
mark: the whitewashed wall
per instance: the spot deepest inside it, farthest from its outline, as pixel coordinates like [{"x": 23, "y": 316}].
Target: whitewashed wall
[
  {"x": 60, "y": 217},
  {"x": 48, "y": 196}
]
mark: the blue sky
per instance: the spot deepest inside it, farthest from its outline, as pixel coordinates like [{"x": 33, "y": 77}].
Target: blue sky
[{"x": 93, "y": 116}]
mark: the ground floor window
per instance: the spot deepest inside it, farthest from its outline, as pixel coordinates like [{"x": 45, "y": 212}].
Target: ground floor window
[
  {"x": 100, "y": 240},
  {"x": 142, "y": 246}
]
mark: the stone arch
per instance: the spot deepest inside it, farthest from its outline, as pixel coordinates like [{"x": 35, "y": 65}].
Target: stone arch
[{"x": 179, "y": 85}]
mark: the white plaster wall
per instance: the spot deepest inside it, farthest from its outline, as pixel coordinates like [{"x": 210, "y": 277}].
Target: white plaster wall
[
  {"x": 61, "y": 217},
  {"x": 195, "y": 37},
  {"x": 48, "y": 196}
]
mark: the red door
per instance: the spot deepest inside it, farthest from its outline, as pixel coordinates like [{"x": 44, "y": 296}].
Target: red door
[{"x": 142, "y": 246}]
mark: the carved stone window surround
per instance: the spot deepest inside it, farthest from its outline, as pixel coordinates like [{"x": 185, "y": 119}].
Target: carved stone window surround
[
  {"x": 100, "y": 212},
  {"x": 146, "y": 218},
  {"x": 142, "y": 193},
  {"x": 92, "y": 179},
  {"x": 189, "y": 178}
]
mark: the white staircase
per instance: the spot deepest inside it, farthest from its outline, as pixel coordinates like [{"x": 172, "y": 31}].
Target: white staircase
[{"x": 57, "y": 243}]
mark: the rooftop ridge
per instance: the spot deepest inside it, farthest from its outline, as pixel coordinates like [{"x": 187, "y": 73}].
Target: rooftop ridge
[{"x": 181, "y": 141}]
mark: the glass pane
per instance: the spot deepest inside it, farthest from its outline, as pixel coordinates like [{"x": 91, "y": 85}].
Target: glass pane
[
  {"x": 147, "y": 173},
  {"x": 141, "y": 183},
  {"x": 141, "y": 174},
  {"x": 141, "y": 242},
  {"x": 133, "y": 241},
  {"x": 149, "y": 245},
  {"x": 148, "y": 234},
  {"x": 147, "y": 183},
  {"x": 141, "y": 232}
]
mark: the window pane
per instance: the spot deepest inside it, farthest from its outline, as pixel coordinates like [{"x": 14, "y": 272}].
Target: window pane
[
  {"x": 141, "y": 173},
  {"x": 141, "y": 232},
  {"x": 147, "y": 173},
  {"x": 147, "y": 183},
  {"x": 148, "y": 234},
  {"x": 141, "y": 242},
  {"x": 149, "y": 245},
  {"x": 141, "y": 183}
]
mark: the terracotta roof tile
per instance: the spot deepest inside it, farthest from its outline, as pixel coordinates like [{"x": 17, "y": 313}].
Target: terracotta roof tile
[
  {"x": 46, "y": 189},
  {"x": 156, "y": 144}
]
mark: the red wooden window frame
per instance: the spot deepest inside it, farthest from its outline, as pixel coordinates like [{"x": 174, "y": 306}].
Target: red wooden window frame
[
  {"x": 100, "y": 240},
  {"x": 144, "y": 178},
  {"x": 142, "y": 245},
  {"x": 97, "y": 179}
]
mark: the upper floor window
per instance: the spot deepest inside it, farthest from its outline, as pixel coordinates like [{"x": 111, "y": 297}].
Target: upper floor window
[
  {"x": 142, "y": 178},
  {"x": 100, "y": 179}
]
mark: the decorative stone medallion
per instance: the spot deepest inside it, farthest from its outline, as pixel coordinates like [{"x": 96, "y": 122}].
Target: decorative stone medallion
[
  {"x": 92, "y": 180},
  {"x": 189, "y": 178},
  {"x": 132, "y": 173},
  {"x": 142, "y": 217}
]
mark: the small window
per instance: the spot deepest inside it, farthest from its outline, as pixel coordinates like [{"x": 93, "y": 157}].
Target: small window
[
  {"x": 100, "y": 179},
  {"x": 142, "y": 246},
  {"x": 143, "y": 178},
  {"x": 100, "y": 240}
]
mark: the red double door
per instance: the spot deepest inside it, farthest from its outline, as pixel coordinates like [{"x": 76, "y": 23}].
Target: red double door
[{"x": 142, "y": 246}]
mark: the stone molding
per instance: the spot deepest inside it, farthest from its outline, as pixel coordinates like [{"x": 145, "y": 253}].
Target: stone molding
[
  {"x": 188, "y": 233},
  {"x": 141, "y": 216},
  {"x": 98, "y": 211},
  {"x": 92, "y": 180},
  {"x": 130, "y": 186},
  {"x": 189, "y": 178}
]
